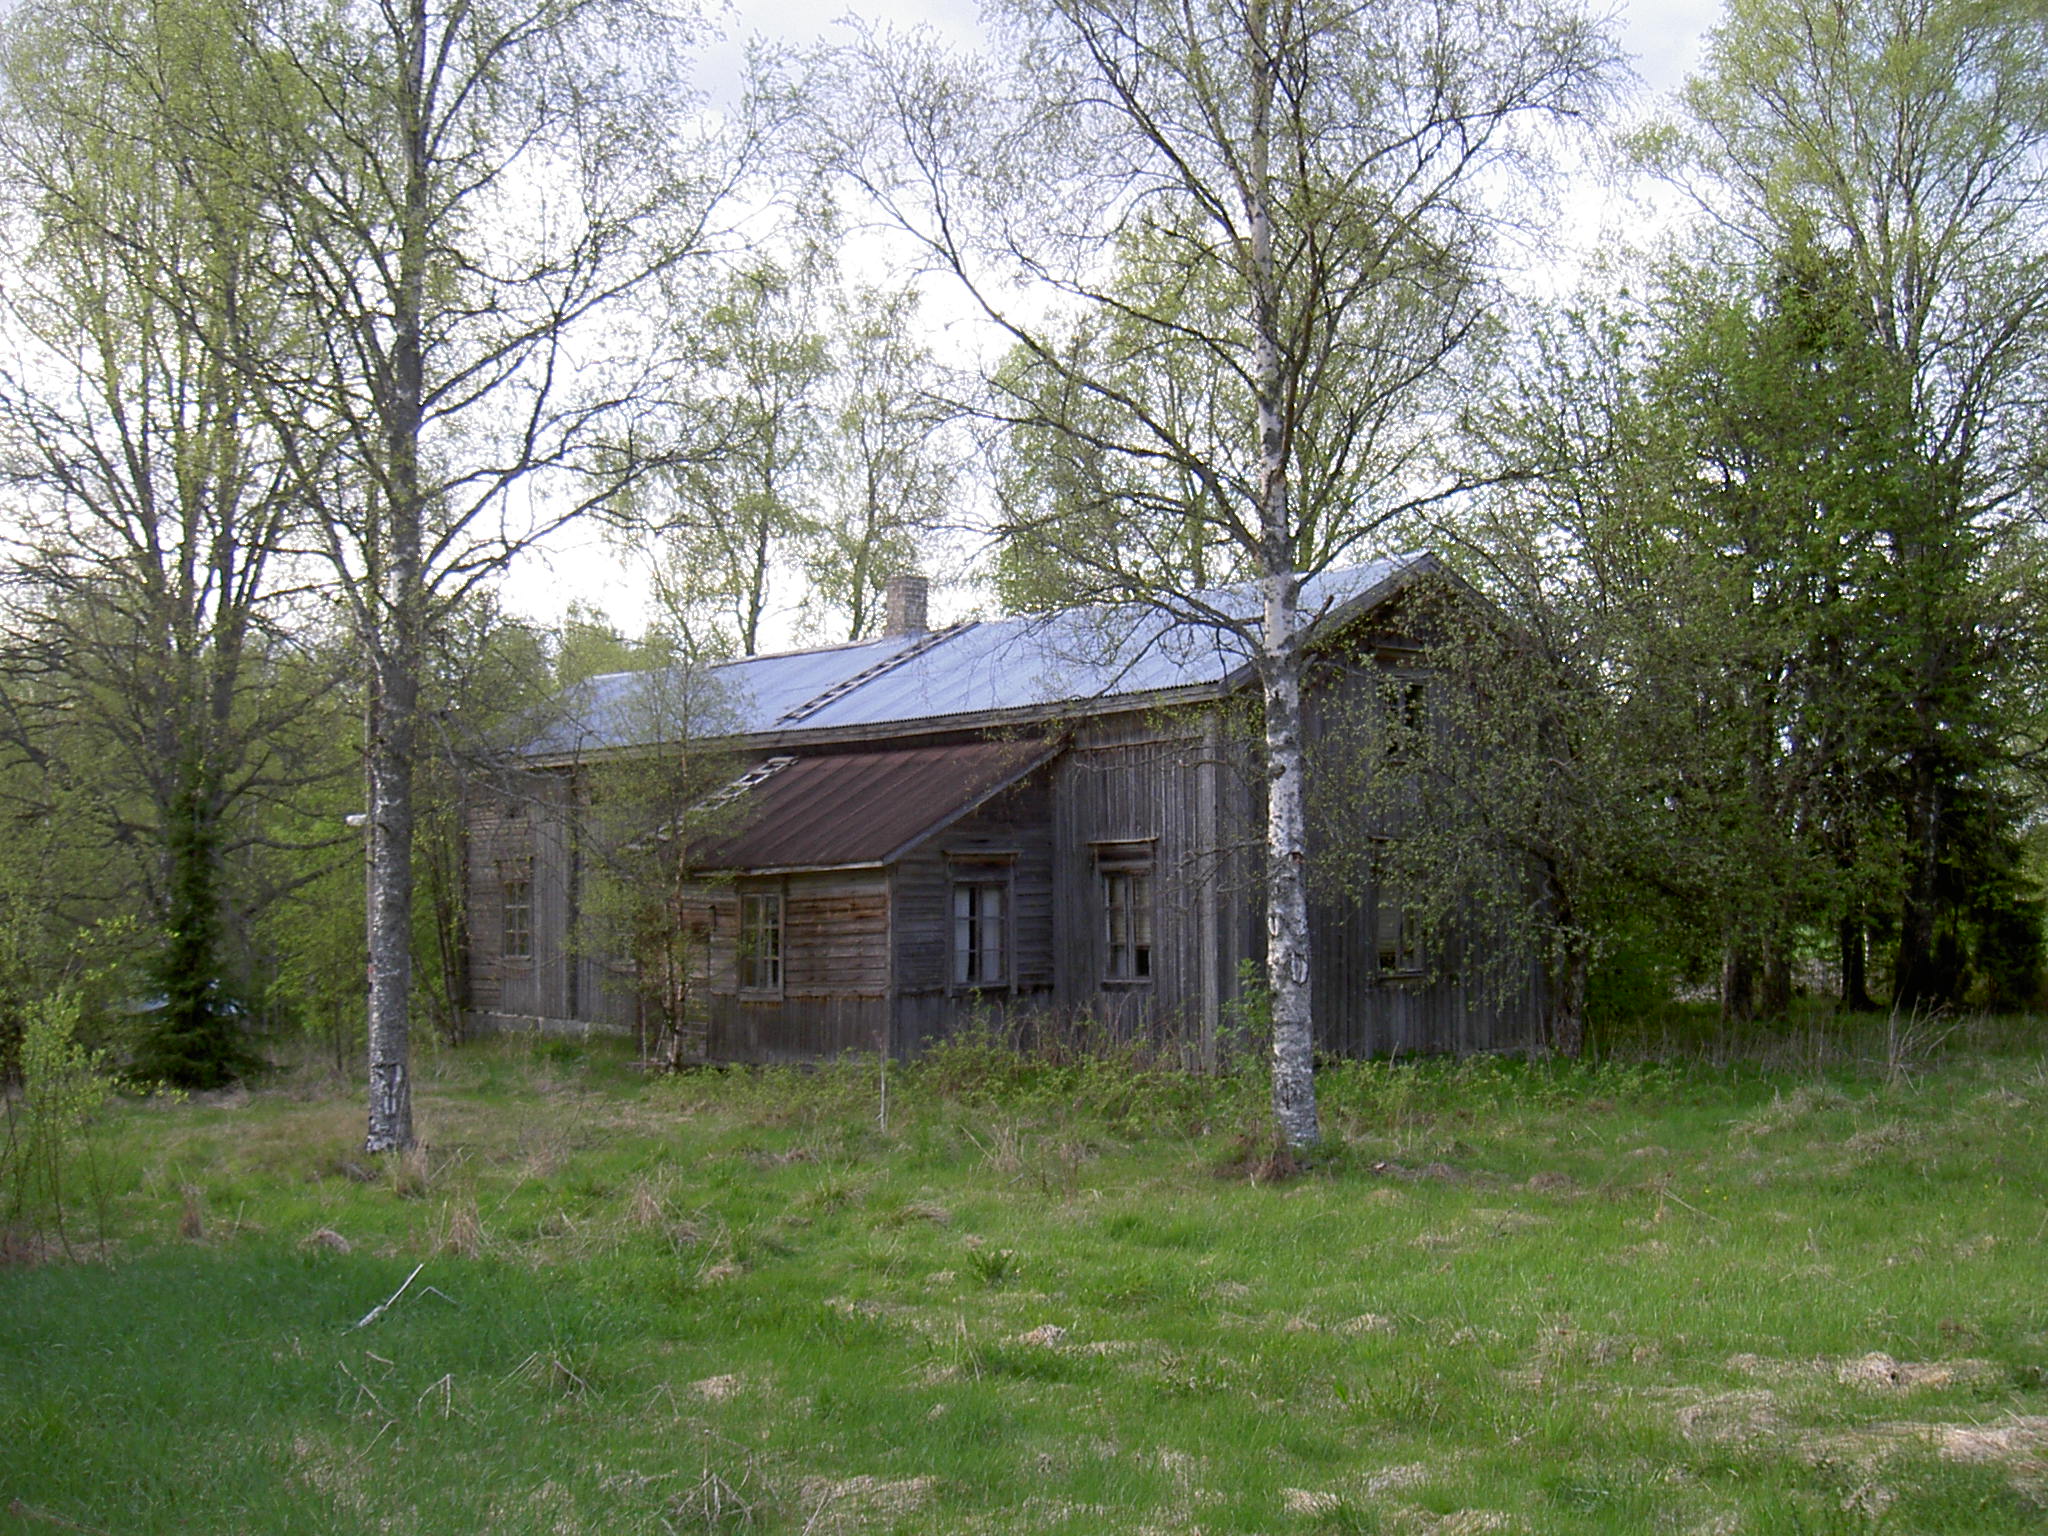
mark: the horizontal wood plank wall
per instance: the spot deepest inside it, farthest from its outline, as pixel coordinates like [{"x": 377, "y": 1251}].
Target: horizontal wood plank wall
[
  {"x": 835, "y": 956},
  {"x": 835, "y": 935},
  {"x": 1018, "y": 822}
]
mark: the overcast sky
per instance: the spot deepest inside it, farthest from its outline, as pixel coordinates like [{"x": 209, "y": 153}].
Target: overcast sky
[{"x": 1663, "y": 36}]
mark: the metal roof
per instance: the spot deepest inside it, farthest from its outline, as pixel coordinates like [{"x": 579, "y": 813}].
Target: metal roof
[
  {"x": 1034, "y": 666},
  {"x": 861, "y": 808}
]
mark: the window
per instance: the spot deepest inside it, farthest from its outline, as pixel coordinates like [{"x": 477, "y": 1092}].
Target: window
[
  {"x": 516, "y": 914},
  {"x": 981, "y": 955},
  {"x": 1126, "y": 911},
  {"x": 1397, "y": 926},
  {"x": 761, "y": 941},
  {"x": 1400, "y": 938},
  {"x": 1414, "y": 703},
  {"x": 1407, "y": 713}
]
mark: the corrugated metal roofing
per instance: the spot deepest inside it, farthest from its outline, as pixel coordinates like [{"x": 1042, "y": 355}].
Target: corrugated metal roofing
[
  {"x": 1078, "y": 656},
  {"x": 863, "y": 807},
  {"x": 733, "y": 698}
]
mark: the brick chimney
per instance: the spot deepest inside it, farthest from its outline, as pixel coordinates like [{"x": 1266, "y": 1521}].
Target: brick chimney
[{"x": 903, "y": 605}]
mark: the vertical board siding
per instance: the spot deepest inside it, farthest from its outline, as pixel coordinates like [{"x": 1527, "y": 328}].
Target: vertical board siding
[
  {"x": 520, "y": 824},
  {"x": 535, "y": 820},
  {"x": 1138, "y": 779},
  {"x": 794, "y": 1029},
  {"x": 1012, "y": 834},
  {"x": 867, "y": 954},
  {"x": 1359, "y": 1011}
]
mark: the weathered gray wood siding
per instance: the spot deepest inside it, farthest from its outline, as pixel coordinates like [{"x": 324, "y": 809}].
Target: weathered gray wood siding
[
  {"x": 868, "y": 953},
  {"x": 835, "y": 958},
  {"x": 532, "y": 823},
  {"x": 1157, "y": 782},
  {"x": 1459, "y": 1002},
  {"x": 491, "y": 836},
  {"x": 1361, "y": 1012},
  {"x": 794, "y": 1029},
  {"x": 1011, "y": 835}
]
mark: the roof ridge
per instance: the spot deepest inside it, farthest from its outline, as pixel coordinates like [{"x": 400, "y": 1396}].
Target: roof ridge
[{"x": 889, "y": 663}]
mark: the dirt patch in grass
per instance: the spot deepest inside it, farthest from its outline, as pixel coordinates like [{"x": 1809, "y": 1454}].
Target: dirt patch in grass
[
  {"x": 1369, "y": 1322},
  {"x": 1257, "y": 1161},
  {"x": 1877, "y": 1372},
  {"x": 2017, "y": 1445}
]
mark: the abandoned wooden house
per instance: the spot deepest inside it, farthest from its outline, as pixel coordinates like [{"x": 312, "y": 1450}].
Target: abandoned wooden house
[{"x": 1028, "y": 823}]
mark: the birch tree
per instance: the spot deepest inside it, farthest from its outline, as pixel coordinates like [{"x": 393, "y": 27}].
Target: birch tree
[
  {"x": 486, "y": 195},
  {"x": 1297, "y": 204},
  {"x": 728, "y": 521},
  {"x": 888, "y": 467}
]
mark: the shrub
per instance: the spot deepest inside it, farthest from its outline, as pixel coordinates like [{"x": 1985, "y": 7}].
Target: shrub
[{"x": 63, "y": 1085}]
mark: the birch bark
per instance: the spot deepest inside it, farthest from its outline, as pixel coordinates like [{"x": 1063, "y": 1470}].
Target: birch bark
[
  {"x": 400, "y": 600},
  {"x": 1287, "y": 936}
]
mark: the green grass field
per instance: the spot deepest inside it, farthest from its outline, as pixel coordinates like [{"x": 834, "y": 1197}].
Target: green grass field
[{"x": 1506, "y": 1297}]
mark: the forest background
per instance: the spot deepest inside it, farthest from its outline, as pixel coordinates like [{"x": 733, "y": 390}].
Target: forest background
[{"x": 318, "y": 319}]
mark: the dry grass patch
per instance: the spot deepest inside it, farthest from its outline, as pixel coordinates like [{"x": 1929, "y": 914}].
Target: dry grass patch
[
  {"x": 1744, "y": 1418},
  {"x": 862, "y": 1503}
]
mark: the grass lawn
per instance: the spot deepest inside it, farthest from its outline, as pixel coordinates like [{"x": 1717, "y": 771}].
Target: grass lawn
[{"x": 1506, "y": 1297}]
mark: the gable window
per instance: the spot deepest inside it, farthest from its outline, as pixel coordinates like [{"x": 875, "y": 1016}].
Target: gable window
[
  {"x": 760, "y": 941},
  {"x": 981, "y": 933},
  {"x": 1126, "y": 871},
  {"x": 1407, "y": 713},
  {"x": 515, "y": 928}
]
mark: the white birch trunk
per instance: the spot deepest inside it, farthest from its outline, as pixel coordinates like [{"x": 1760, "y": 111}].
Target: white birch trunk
[
  {"x": 1287, "y": 943},
  {"x": 399, "y": 599},
  {"x": 392, "y": 728}
]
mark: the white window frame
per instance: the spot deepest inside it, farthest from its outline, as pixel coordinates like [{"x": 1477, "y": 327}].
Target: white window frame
[
  {"x": 761, "y": 968},
  {"x": 1127, "y": 921},
  {"x": 515, "y": 875},
  {"x": 969, "y": 932}
]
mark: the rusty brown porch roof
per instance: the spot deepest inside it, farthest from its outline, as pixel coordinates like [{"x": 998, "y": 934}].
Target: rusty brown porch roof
[{"x": 861, "y": 809}]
